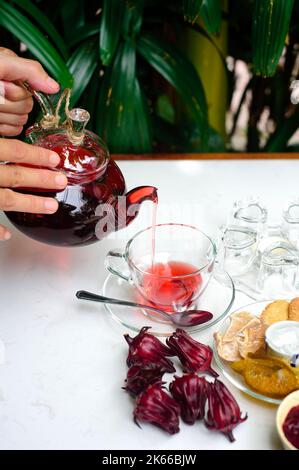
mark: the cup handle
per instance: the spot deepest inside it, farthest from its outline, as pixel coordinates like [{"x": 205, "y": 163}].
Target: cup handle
[{"x": 113, "y": 261}]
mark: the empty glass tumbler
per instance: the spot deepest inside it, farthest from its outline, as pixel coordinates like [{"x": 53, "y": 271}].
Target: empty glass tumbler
[
  {"x": 278, "y": 273},
  {"x": 290, "y": 222},
  {"x": 250, "y": 213},
  {"x": 237, "y": 249}
]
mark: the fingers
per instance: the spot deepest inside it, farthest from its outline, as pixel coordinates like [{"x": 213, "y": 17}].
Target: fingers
[
  {"x": 13, "y": 119},
  {"x": 13, "y": 92},
  {"x": 12, "y": 201},
  {"x": 14, "y": 176},
  {"x": 10, "y": 131},
  {"x": 12, "y": 124},
  {"x": 17, "y": 107},
  {"x": 13, "y": 115},
  {"x": 4, "y": 233},
  {"x": 16, "y": 68},
  {"x": 13, "y": 150}
]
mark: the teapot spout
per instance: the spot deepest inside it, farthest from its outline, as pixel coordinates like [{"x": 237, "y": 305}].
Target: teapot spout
[
  {"x": 141, "y": 194},
  {"x": 128, "y": 209}
]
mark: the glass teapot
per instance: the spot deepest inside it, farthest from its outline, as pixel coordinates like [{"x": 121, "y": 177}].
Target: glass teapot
[{"x": 94, "y": 202}]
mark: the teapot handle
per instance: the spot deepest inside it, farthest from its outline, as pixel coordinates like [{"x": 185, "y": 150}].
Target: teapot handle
[
  {"x": 42, "y": 99},
  {"x": 116, "y": 264}
]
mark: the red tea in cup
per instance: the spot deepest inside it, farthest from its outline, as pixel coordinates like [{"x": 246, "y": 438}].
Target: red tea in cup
[
  {"x": 170, "y": 265},
  {"x": 173, "y": 283}
]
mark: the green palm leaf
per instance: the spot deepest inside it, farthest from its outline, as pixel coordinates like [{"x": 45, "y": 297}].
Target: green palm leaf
[
  {"x": 45, "y": 24},
  {"x": 123, "y": 118},
  {"x": 271, "y": 19},
  {"x": 82, "y": 33},
  {"x": 132, "y": 19},
  {"x": 40, "y": 47},
  {"x": 143, "y": 122},
  {"x": 211, "y": 14},
  {"x": 111, "y": 20},
  {"x": 72, "y": 15},
  {"x": 180, "y": 73},
  {"x": 82, "y": 65},
  {"x": 191, "y": 9},
  {"x": 89, "y": 99}
]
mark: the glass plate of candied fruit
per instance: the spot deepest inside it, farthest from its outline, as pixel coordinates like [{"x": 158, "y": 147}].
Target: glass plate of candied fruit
[{"x": 245, "y": 357}]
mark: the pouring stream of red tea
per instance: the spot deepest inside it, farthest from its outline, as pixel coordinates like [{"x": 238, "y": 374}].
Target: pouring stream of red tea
[{"x": 154, "y": 223}]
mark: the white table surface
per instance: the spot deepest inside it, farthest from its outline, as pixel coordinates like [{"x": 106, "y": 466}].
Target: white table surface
[{"x": 63, "y": 361}]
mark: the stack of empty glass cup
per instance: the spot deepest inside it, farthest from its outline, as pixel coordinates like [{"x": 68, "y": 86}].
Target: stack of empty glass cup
[{"x": 263, "y": 260}]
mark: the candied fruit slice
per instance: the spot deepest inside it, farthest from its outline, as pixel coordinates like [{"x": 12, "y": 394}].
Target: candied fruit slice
[
  {"x": 270, "y": 377},
  {"x": 238, "y": 366}
]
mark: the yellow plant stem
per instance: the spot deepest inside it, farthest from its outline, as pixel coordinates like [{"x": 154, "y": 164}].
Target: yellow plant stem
[{"x": 204, "y": 56}]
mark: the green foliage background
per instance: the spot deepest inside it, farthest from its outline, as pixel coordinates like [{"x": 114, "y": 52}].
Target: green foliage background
[{"x": 125, "y": 63}]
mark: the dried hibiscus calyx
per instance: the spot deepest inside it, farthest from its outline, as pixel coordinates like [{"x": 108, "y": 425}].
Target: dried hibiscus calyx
[
  {"x": 155, "y": 406},
  {"x": 194, "y": 356},
  {"x": 190, "y": 391},
  {"x": 147, "y": 348},
  {"x": 140, "y": 376},
  {"x": 223, "y": 411}
]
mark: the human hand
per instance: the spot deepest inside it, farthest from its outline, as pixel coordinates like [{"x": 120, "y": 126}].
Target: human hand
[
  {"x": 13, "y": 114},
  {"x": 14, "y": 176},
  {"x": 15, "y": 101}
]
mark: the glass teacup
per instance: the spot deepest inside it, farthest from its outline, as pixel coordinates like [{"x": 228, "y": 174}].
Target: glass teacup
[{"x": 169, "y": 264}]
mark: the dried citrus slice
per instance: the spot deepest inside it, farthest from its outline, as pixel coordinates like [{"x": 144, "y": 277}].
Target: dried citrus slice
[
  {"x": 238, "y": 366},
  {"x": 270, "y": 376}
]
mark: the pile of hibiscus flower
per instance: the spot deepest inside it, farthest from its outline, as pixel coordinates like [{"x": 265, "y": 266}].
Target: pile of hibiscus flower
[{"x": 191, "y": 397}]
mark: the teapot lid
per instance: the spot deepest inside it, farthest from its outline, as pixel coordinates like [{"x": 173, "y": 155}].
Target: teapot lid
[
  {"x": 82, "y": 153},
  {"x": 78, "y": 160}
]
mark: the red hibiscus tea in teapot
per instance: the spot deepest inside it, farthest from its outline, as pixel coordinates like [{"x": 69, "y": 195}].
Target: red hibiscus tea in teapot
[
  {"x": 94, "y": 203},
  {"x": 173, "y": 283}
]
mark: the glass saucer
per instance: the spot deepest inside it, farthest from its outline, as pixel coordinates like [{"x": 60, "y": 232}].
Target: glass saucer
[
  {"x": 236, "y": 379},
  {"x": 217, "y": 298}
]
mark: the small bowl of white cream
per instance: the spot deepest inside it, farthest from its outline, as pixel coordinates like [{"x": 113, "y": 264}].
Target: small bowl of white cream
[{"x": 282, "y": 338}]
